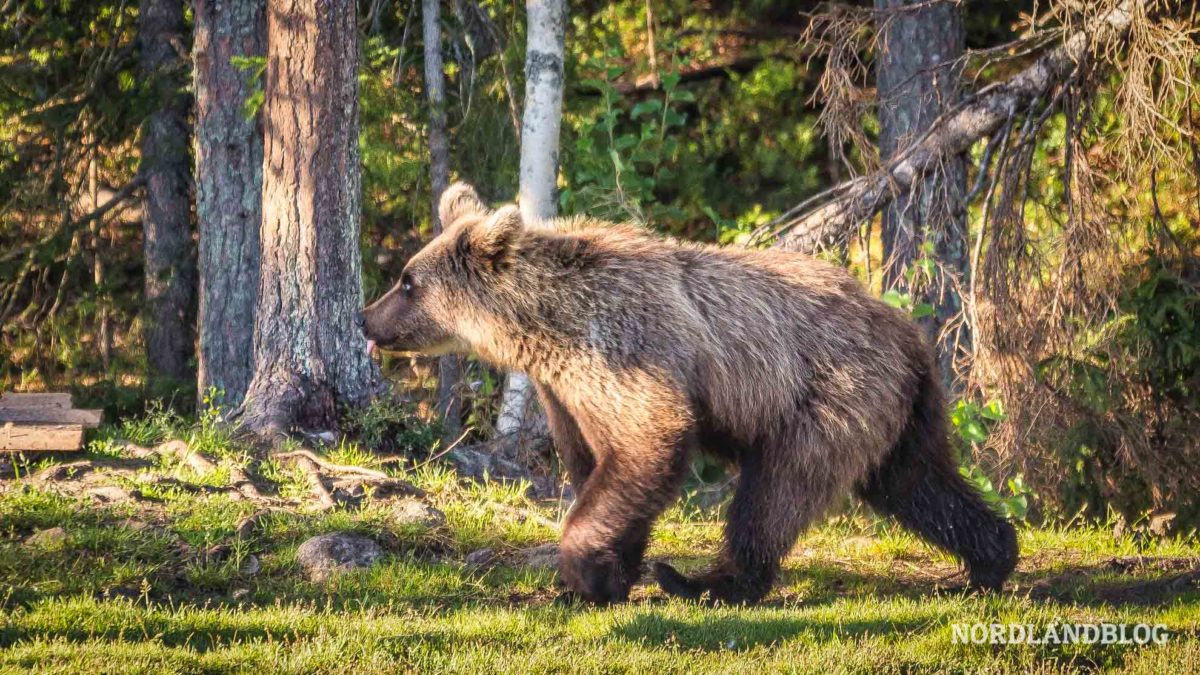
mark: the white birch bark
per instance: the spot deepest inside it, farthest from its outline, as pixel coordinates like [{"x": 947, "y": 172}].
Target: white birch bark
[{"x": 546, "y": 25}]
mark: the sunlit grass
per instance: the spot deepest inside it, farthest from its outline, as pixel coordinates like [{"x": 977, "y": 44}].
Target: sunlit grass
[{"x": 139, "y": 587}]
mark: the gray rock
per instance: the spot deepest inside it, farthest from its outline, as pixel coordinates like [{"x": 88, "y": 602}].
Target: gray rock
[
  {"x": 50, "y": 539},
  {"x": 544, "y": 557},
  {"x": 239, "y": 593},
  {"x": 481, "y": 558},
  {"x": 329, "y": 554},
  {"x": 414, "y": 512}
]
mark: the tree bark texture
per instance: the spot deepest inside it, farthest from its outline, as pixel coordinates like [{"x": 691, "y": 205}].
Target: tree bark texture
[
  {"x": 309, "y": 355},
  {"x": 546, "y": 26},
  {"x": 229, "y": 162},
  {"x": 449, "y": 367},
  {"x": 170, "y": 270},
  {"x": 918, "y": 72}
]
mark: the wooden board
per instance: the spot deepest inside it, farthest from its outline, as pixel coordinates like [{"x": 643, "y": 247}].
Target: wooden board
[
  {"x": 12, "y": 400},
  {"x": 87, "y": 418},
  {"x": 40, "y": 437}
]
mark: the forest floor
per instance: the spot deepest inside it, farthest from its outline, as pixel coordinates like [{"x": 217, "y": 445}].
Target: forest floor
[{"x": 184, "y": 558}]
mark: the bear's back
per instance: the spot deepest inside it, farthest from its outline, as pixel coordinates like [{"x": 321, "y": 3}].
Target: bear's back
[{"x": 756, "y": 332}]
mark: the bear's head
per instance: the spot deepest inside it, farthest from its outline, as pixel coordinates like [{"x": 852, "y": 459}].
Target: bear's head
[{"x": 434, "y": 305}]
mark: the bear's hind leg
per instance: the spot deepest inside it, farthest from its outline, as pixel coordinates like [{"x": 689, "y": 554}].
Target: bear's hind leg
[{"x": 919, "y": 484}]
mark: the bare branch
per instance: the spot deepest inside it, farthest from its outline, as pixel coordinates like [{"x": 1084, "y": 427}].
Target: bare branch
[{"x": 808, "y": 229}]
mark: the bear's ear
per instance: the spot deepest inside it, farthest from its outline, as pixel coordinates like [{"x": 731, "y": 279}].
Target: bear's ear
[
  {"x": 493, "y": 237},
  {"x": 458, "y": 200}
]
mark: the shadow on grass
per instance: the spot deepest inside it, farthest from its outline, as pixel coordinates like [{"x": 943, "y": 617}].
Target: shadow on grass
[
  {"x": 718, "y": 633},
  {"x": 1136, "y": 581},
  {"x": 1133, "y": 581}
]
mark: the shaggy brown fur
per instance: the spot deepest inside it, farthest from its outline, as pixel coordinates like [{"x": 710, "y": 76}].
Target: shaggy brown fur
[{"x": 645, "y": 351}]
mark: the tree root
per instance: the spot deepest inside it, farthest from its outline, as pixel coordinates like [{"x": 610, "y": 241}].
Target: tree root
[
  {"x": 307, "y": 463},
  {"x": 325, "y": 465},
  {"x": 241, "y": 486},
  {"x": 352, "y": 487},
  {"x": 330, "y": 484}
]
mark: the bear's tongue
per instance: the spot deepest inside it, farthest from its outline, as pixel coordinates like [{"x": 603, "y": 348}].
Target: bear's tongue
[{"x": 370, "y": 347}]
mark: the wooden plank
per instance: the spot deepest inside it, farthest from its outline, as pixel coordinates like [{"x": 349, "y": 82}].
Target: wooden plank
[
  {"x": 13, "y": 400},
  {"x": 87, "y": 418},
  {"x": 41, "y": 437}
]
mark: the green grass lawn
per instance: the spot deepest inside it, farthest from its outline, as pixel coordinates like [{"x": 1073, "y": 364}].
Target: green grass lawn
[{"x": 139, "y": 586}]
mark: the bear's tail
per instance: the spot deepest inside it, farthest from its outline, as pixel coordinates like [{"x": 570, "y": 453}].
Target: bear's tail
[{"x": 919, "y": 483}]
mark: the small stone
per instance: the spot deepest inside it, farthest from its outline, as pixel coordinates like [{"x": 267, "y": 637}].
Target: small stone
[
  {"x": 50, "y": 539},
  {"x": 481, "y": 558},
  {"x": 416, "y": 513},
  {"x": 108, "y": 494},
  {"x": 544, "y": 557},
  {"x": 250, "y": 566},
  {"x": 239, "y": 593},
  {"x": 328, "y": 554}
]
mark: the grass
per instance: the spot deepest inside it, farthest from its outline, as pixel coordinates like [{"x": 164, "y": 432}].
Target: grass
[{"x": 134, "y": 587}]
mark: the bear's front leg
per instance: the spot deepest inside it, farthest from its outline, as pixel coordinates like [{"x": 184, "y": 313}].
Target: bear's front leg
[{"x": 642, "y": 456}]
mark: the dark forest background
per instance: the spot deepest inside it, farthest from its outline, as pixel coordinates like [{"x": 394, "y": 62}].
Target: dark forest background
[{"x": 1055, "y": 260}]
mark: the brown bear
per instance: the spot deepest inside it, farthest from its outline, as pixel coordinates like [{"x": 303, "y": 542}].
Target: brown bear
[{"x": 645, "y": 351}]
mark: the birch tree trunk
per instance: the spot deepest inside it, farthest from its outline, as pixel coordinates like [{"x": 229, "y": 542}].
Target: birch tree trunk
[
  {"x": 309, "y": 355},
  {"x": 229, "y": 162},
  {"x": 449, "y": 403},
  {"x": 546, "y": 26},
  {"x": 918, "y": 75},
  {"x": 170, "y": 269}
]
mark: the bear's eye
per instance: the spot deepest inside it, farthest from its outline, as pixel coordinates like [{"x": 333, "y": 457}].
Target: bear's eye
[{"x": 406, "y": 284}]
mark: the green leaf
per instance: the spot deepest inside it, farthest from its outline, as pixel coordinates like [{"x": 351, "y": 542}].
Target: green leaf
[
  {"x": 973, "y": 432},
  {"x": 645, "y": 108},
  {"x": 994, "y": 410},
  {"x": 922, "y": 310},
  {"x": 896, "y": 299}
]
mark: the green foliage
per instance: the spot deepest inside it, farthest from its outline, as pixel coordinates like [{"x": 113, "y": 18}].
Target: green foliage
[
  {"x": 389, "y": 425},
  {"x": 624, "y": 149},
  {"x": 972, "y": 424},
  {"x": 1138, "y": 369}
]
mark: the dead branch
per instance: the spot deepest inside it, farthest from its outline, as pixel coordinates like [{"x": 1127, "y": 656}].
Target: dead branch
[{"x": 829, "y": 217}]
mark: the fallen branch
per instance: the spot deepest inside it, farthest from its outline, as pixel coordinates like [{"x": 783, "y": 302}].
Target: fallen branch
[{"x": 829, "y": 217}]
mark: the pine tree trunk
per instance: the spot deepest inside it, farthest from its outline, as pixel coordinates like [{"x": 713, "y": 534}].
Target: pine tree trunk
[
  {"x": 309, "y": 356},
  {"x": 229, "y": 161},
  {"x": 170, "y": 270},
  {"x": 918, "y": 75},
  {"x": 546, "y": 21},
  {"x": 449, "y": 367}
]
